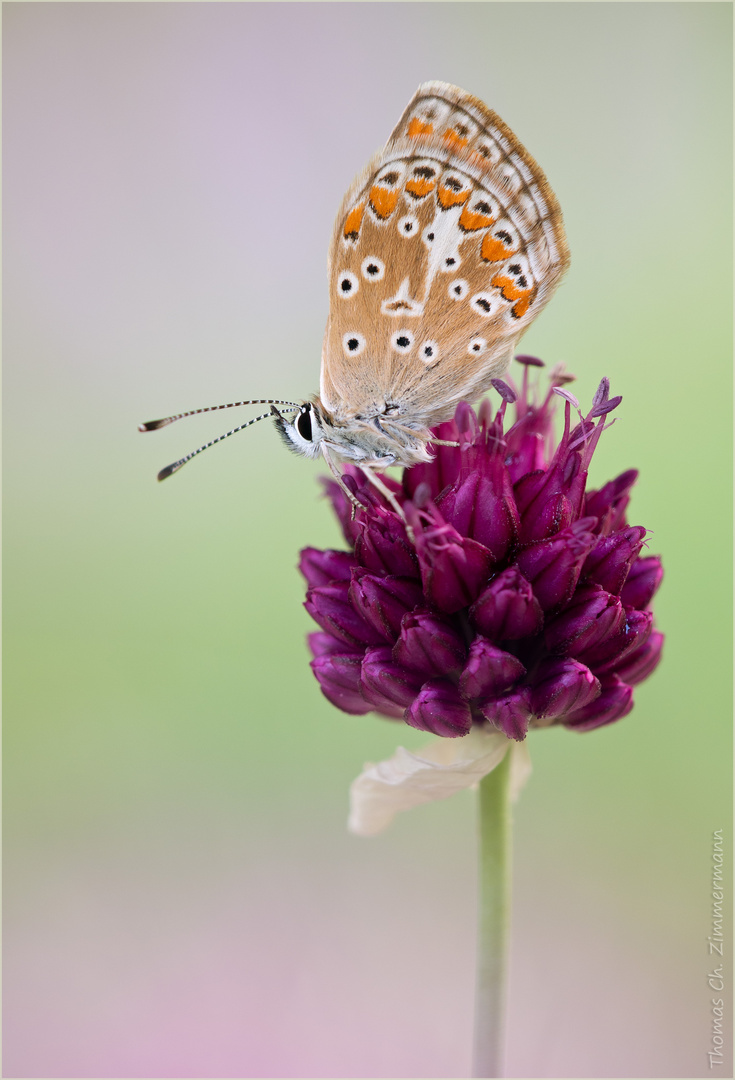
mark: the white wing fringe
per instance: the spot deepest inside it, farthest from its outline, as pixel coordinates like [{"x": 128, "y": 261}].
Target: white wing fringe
[{"x": 437, "y": 771}]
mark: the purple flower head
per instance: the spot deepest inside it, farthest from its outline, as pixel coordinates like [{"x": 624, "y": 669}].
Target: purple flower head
[{"x": 505, "y": 594}]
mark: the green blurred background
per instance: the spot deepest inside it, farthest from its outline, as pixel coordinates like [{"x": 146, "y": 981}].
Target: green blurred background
[{"x": 182, "y": 898}]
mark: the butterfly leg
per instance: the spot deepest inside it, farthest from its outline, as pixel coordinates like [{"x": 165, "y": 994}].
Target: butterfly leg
[
  {"x": 356, "y": 504},
  {"x": 386, "y": 492}
]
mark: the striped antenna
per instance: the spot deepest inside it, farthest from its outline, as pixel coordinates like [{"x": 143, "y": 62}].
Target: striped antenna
[
  {"x": 170, "y": 469},
  {"x": 154, "y": 425}
]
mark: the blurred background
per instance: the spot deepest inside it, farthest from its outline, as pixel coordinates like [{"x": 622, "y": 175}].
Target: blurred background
[{"x": 181, "y": 895}]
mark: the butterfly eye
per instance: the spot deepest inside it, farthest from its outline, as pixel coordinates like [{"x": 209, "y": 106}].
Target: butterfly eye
[
  {"x": 373, "y": 269},
  {"x": 402, "y": 341},
  {"x": 408, "y": 225},
  {"x": 353, "y": 343},
  {"x": 430, "y": 352},
  {"x": 347, "y": 284},
  {"x": 303, "y": 423},
  {"x": 483, "y": 304},
  {"x": 458, "y": 289},
  {"x": 477, "y": 346}
]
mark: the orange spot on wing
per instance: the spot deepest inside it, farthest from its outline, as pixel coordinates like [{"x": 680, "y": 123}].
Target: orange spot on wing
[
  {"x": 448, "y": 197},
  {"x": 510, "y": 291},
  {"x": 469, "y": 220},
  {"x": 383, "y": 201},
  {"x": 519, "y": 310},
  {"x": 493, "y": 250},
  {"x": 418, "y": 127},
  {"x": 419, "y": 187},
  {"x": 351, "y": 230},
  {"x": 454, "y": 141}
]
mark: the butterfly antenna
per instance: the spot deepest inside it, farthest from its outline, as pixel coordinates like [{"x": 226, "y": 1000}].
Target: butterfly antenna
[
  {"x": 176, "y": 465},
  {"x": 154, "y": 425}
]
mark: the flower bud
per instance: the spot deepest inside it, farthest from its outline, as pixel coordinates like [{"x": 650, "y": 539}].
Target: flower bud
[
  {"x": 642, "y": 582},
  {"x": 549, "y": 501},
  {"x": 489, "y": 671},
  {"x": 614, "y": 702},
  {"x": 510, "y": 713},
  {"x": 382, "y": 546},
  {"x": 438, "y": 708},
  {"x": 330, "y": 607},
  {"x": 321, "y": 567},
  {"x": 341, "y": 504},
  {"x": 553, "y": 566},
  {"x": 607, "y": 655},
  {"x": 481, "y": 505},
  {"x": 383, "y": 601},
  {"x": 543, "y": 504},
  {"x": 609, "y": 504},
  {"x": 429, "y": 645},
  {"x": 453, "y": 567},
  {"x": 591, "y": 617},
  {"x": 442, "y": 471},
  {"x": 385, "y": 681},
  {"x": 507, "y": 608},
  {"x": 560, "y": 686},
  {"x": 322, "y": 644},
  {"x": 611, "y": 558},
  {"x": 638, "y": 665},
  {"x": 456, "y": 574},
  {"x": 339, "y": 679}
]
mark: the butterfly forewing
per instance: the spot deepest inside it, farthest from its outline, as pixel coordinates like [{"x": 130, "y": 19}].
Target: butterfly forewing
[{"x": 445, "y": 249}]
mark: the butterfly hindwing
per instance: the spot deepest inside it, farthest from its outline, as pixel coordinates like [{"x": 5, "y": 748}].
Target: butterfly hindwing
[{"x": 445, "y": 249}]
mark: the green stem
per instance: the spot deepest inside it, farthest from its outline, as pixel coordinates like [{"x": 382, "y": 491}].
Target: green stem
[{"x": 494, "y": 918}]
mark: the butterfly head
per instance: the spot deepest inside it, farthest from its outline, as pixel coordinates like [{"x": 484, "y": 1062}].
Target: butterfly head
[{"x": 304, "y": 432}]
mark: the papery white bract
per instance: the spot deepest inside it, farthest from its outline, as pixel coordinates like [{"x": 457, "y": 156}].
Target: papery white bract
[{"x": 437, "y": 771}]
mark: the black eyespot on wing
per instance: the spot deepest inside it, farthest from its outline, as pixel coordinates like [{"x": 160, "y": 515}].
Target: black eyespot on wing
[
  {"x": 347, "y": 283},
  {"x": 515, "y": 268},
  {"x": 402, "y": 341},
  {"x": 353, "y": 343}
]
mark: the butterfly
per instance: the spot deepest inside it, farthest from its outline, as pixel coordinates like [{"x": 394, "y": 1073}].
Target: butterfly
[{"x": 445, "y": 249}]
